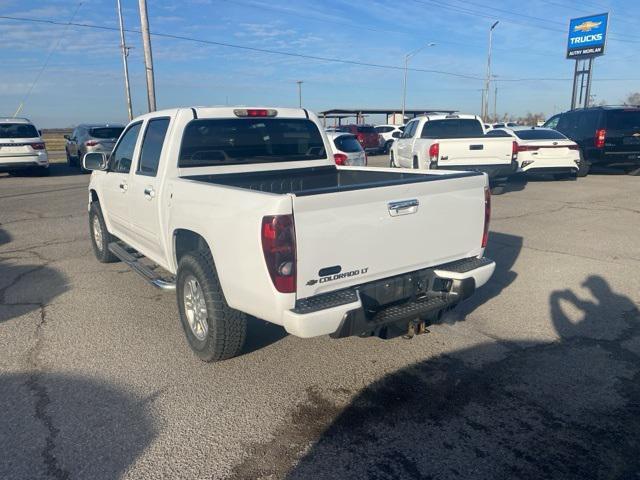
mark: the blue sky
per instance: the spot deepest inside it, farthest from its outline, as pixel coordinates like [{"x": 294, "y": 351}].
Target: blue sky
[{"x": 83, "y": 81}]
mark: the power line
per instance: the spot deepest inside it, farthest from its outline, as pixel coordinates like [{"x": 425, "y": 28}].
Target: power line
[
  {"x": 46, "y": 61},
  {"x": 246, "y": 47},
  {"x": 288, "y": 54}
]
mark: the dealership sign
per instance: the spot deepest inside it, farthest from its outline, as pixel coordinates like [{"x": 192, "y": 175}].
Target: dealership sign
[{"x": 587, "y": 36}]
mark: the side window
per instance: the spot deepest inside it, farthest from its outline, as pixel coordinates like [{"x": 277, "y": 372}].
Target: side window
[
  {"x": 410, "y": 130},
  {"x": 152, "y": 146},
  {"x": 123, "y": 154},
  {"x": 552, "y": 122},
  {"x": 567, "y": 124},
  {"x": 588, "y": 124}
]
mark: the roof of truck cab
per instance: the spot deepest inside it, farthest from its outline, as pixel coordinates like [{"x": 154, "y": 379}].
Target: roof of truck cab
[
  {"x": 454, "y": 116},
  {"x": 227, "y": 112},
  {"x": 15, "y": 120}
]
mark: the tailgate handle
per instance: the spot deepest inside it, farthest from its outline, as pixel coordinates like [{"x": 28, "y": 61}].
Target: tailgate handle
[
  {"x": 403, "y": 207},
  {"x": 476, "y": 147}
]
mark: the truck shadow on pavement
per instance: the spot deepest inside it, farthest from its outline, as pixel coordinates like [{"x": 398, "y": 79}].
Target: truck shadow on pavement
[
  {"x": 504, "y": 249},
  {"x": 565, "y": 409},
  {"x": 63, "y": 426},
  {"x": 25, "y": 288}
]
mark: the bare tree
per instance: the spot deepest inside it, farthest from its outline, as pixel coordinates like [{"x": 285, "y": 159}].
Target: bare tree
[{"x": 633, "y": 99}]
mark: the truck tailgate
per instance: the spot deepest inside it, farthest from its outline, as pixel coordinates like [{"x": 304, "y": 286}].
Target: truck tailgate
[
  {"x": 475, "y": 151},
  {"x": 347, "y": 238}
]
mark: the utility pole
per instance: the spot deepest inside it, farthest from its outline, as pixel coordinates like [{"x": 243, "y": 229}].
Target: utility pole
[
  {"x": 299, "y": 82},
  {"x": 125, "y": 53},
  {"x": 148, "y": 59},
  {"x": 485, "y": 102},
  {"x": 406, "y": 68}
]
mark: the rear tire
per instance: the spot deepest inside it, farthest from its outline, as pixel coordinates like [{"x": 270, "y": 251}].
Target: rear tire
[
  {"x": 100, "y": 236},
  {"x": 214, "y": 330},
  {"x": 583, "y": 167}
]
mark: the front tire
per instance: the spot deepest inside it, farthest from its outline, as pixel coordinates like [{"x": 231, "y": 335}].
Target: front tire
[
  {"x": 214, "y": 330},
  {"x": 100, "y": 236}
]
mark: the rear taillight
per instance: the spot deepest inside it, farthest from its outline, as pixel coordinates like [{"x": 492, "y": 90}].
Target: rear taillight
[
  {"x": 527, "y": 148},
  {"x": 487, "y": 216},
  {"x": 38, "y": 146},
  {"x": 434, "y": 152},
  {"x": 279, "y": 248},
  {"x": 360, "y": 137},
  {"x": 600, "y": 137},
  {"x": 91, "y": 143},
  {"x": 514, "y": 150},
  {"x": 340, "y": 158}
]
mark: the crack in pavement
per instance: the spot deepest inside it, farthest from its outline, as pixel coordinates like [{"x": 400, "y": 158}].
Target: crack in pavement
[
  {"x": 42, "y": 401},
  {"x": 40, "y": 216},
  {"x": 15, "y": 195}
]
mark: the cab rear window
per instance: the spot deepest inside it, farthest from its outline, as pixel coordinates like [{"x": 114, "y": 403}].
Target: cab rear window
[
  {"x": 452, "y": 128},
  {"x": 212, "y": 142},
  {"x": 18, "y": 130}
]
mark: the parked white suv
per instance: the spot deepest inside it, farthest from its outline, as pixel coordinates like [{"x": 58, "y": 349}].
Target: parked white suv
[
  {"x": 388, "y": 133},
  {"x": 21, "y": 147}
]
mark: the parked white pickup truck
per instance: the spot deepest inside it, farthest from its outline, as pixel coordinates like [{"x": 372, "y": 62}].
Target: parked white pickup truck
[
  {"x": 247, "y": 214},
  {"x": 453, "y": 142}
]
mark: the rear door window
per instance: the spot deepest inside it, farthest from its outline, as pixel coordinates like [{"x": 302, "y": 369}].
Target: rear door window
[
  {"x": 536, "y": 134},
  {"x": 18, "y": 130},
  {"x": 588, "y": 123},
  {"x": 212, "y": 142},
  {"x": 105, "y": 132},
  {"x": 627, "y": 121},
  {"x": 347, "y": 143},
  {"x": 152, "y": 146},
  {"x": 452, "y": 128}
]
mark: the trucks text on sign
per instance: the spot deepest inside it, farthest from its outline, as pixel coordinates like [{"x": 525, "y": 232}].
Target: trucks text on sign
[{"x": 587, "y": 36}]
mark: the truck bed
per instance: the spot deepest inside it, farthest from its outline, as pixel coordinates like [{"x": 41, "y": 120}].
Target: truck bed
[{"x": 318, "y": 180}]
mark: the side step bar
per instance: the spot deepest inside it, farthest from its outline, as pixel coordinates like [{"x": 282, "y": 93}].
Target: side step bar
[{"x": 134, "y": 262}]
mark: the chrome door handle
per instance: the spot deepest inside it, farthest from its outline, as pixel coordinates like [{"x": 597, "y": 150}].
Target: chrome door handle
[
  {"x": 403, "y": 207},
  {"x": 149, "y": 192}
]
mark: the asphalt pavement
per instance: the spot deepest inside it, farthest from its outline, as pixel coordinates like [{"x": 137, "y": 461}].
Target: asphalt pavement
[{"x": 537, "y": 376}]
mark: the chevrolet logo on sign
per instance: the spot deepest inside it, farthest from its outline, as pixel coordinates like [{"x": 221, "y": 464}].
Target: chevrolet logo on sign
[{"x": 586, "y": 26}]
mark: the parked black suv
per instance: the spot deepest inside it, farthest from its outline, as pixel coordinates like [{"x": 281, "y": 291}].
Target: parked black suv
[{"x": 607, "y": 136}]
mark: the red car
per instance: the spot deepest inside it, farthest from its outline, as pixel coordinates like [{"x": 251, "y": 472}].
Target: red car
[{"x": 366, "y": 135}]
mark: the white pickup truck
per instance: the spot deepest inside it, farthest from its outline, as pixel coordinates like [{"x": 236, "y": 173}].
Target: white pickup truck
[
  {"x": 243, "y": 212},
  {"x": 453, "y": 142}
]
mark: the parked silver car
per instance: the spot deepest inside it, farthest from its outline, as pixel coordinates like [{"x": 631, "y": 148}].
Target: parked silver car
[{"x": 88, "y": 138}]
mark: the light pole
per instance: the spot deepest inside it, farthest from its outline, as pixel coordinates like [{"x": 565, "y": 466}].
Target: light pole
[
  {"x": 148, "y": 58},
  {"x": 125, "y": 54},
  {"x": 495, "y": 98},
  {"x": 406, "y": 68},
  {"x": 299, "y": 82},
  {"x": 485, "y": 103}
]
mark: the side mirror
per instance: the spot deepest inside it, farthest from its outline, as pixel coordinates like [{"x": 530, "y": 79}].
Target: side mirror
[
  {"x": 396, "y": 134},
  {"x": 95, "y": 161},
  {"x": 40, "y": 132},
  {"x": 67, "y": 137}
]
